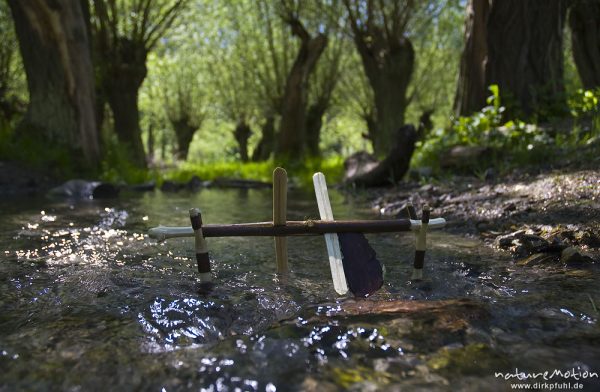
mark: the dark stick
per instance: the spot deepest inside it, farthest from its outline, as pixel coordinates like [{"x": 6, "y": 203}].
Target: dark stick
[
  {"x": 200, "y": 245},
  {"x": 306, "y": 228}
]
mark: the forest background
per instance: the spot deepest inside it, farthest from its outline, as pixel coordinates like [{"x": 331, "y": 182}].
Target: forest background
[{"x": 135, "y": 90}]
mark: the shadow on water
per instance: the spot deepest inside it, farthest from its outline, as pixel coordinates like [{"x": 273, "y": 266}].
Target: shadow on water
[{"x": 87, "y": 300}]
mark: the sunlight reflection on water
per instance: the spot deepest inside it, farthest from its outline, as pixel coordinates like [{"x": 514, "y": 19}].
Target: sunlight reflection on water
[{"x": 85, "y": 289}]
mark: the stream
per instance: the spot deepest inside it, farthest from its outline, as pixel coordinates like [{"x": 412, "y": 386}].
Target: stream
[{"x": 89, "y": 302}]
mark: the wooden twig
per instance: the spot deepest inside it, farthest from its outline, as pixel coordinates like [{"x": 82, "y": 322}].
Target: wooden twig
[
  {"x": 295, "y": 228},
  {"x": 279, "y": 217}
]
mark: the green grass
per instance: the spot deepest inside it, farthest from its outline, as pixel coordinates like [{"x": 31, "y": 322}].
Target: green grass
[{"x": 299, "y": 173}]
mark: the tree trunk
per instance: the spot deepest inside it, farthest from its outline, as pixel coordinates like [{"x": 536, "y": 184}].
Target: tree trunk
[
  {"x": 314, "y": 123},
  {"x": 55, "y": 47},
  {"x": 292, "y": 133},
  {"x": 471, "y": 91},
  {"x": 150, "y": 144},
  {"x": 388, "y": 67},
  {"x": 265, "y": 146},
  {"x": 242, "y": 133},
  {"x": 123, "y": 72},
  {"x": 184, "y": 134},
  {"x": 393, "y": 168},
  {"x": 525, "y": 55},
  {"x": 584, "y": 21}
]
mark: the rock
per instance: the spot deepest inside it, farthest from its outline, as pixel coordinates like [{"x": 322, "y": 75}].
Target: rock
[
  {"x": 506, "y": 241},
  {"x": 82, "y": 189},
  {"x": 195, "y": 183},
  {"x": 538, "y": 258},
  {"x": 461, "y": 156},
  {"x": 171, "y": 186},
  {"x": 145, "y": 187},
  {"x": 394, "y": 166},
  {"x": 105, "y": 191},
  {"x": 420, "y": 173},
  {"x": 473, "y": 359},
  {"x": 522, "y": 244},
  {"x": 572, "y": 257},
  {"x": 359, "y": 163},
  {"x": 588, "y": 238},
  {"x": 239, "y": 183},
  {"x": 76, "y": 189}
]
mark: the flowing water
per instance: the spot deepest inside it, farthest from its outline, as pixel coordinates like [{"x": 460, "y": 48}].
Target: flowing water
[{"x": 89, "y": 302}]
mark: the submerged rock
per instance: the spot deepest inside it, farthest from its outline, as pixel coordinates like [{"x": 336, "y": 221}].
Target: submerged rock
[
  {"x": 539, "y": 258},
  {"x": 571, "y": 256},
  {"x": 471, "y": 359},
  {"x": 82, "y": 189}
]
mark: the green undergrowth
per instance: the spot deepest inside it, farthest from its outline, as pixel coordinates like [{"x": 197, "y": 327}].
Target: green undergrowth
[
  {"x": 508, "y": 144},
  {"x": 299, "y": 173},
  {"x": 57, "y": 161}
]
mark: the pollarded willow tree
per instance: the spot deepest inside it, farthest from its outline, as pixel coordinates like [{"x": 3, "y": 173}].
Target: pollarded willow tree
[
  {"x": 388, "y": 57},
  {"x": 323, "y": 85},
  {"x": 232, "y": 74},
  {"x": 125, "y": 31},
  {"x": 280, "y": 48},
  {"x": 183, "y": 101},
  {"x": 291, "y": 141},
  {"x": 55, "y": 47},
  {"x": 518, "y": 45}
]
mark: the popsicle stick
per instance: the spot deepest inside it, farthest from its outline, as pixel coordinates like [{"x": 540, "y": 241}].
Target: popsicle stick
[
  {"x": 333, "y": 246},
  {"x": 279, "y": 217},
  {"x": 201, "y": 248},
  {"x": 421, "y": 245}
]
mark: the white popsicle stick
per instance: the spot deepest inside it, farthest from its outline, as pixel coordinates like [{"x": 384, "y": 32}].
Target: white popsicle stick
[{"x": 333, "y": 244}]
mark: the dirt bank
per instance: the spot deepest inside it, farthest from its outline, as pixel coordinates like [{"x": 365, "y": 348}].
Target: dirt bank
[{"x": 558, "y": 207}]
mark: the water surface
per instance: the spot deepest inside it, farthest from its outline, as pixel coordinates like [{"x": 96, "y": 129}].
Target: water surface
[{"x": 89, "y": 302}]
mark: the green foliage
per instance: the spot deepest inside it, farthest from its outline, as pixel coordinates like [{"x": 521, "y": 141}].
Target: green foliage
[
  {"x": 59, "y": 162},
  {"x": 300, "y": 173},
  {"x": 513, "y": 142},
  {"x": 585, "y": 103},
  {"x": 116, "y": 167}
]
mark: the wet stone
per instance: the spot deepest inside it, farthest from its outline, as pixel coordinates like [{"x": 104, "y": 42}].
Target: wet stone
[
  {"x": 571, "y": 256},
  {"x": 522, "y": 244},
  {"x": 538, "y": 259}
]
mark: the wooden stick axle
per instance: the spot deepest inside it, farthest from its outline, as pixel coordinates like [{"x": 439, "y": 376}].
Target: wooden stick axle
[{"x": 294, "y": 228}]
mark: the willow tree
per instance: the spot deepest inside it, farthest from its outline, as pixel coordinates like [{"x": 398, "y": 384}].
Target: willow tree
[
  {"x": 323, "y": 84},
  {"x": 291, "y": 142},
  {"x": 584, "y": 22},
  {"x": 471, "y": 92},
  {"x": 232, "y": 75},
  {"x": 518, "y": 45},
  {"x": 246, "y": 53},
  {"x": 55, "y": 47},
  {"x": 183, "y": 101},
  {"x": 379, "y": 32},
  {"x": 125, "y": 32}
]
